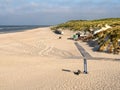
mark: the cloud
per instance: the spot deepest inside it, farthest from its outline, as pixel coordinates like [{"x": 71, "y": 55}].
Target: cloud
[
  {"x": 31, "y": 6},
  {"x": 54, "y": 11}
]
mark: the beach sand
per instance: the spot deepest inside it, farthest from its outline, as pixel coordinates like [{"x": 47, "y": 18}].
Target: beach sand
[{"x": 38, "y": 60}]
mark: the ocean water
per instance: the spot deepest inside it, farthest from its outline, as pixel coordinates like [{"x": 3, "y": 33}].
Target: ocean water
[{"x": 10, "y": 29}]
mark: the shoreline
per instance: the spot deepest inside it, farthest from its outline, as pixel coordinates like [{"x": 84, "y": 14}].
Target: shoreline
[{"x": 4, "y": 29}]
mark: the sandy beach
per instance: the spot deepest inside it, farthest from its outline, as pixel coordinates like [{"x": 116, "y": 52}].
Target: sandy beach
[{"x": 38, "y": 60}]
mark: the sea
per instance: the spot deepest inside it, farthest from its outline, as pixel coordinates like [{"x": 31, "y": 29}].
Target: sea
[{"x": 18, "y": 28}]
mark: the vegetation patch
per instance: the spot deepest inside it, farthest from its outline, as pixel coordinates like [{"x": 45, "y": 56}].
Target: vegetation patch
[{"x": 108, "y": 39}]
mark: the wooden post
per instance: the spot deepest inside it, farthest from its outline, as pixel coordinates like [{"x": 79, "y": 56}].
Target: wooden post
[{"x": 85, "y": 66}]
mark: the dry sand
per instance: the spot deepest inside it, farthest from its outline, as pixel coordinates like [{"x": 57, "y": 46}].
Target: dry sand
[{"x": 38, "y": 60}]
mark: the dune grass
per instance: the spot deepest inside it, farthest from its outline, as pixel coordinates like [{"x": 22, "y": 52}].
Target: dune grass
[{"x": 106, "y": 39}]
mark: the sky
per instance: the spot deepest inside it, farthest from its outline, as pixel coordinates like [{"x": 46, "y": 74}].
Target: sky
[{"x": 52, "y": 12}]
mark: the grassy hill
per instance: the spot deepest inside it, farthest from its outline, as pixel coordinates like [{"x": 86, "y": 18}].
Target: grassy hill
[
  {"x": 107, "y": 40},
  {"x": 86, "y": 24}
]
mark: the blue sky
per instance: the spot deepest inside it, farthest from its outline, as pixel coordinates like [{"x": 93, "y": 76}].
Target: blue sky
[{"x": 50, "y": 12}]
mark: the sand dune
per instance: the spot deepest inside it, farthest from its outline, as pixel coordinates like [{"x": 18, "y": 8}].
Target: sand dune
[{"x": 38, "y": 60}]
